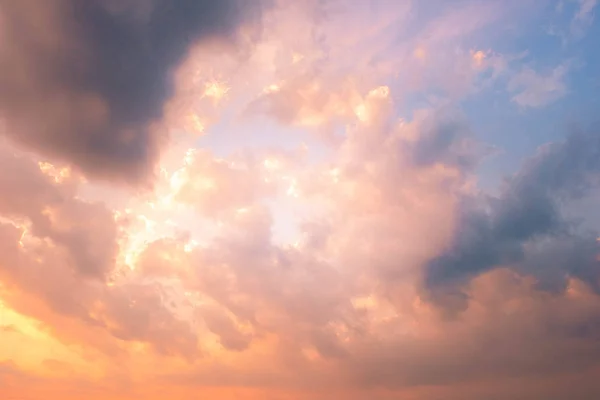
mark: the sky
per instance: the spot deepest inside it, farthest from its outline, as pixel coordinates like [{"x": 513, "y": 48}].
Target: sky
[{"x": 299, "y": 200}]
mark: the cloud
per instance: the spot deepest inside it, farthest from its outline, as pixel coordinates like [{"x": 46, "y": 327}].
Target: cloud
[
  {"x": 88, "y": 82},
  {"x": 310, "y": 90},
  {"x": 48, "y": 210},
  {"x": 583, "y": 18},
  {"x": 536, "y": 90},
  {"x": 214, "y": 186},
  {"x": 341, "y": 311},
  {"x": 524, "y": 227},
  {"x": 398, "y": 274},
  {"x": 305, "y": 102},
  {"x": 62, "y": 251}
]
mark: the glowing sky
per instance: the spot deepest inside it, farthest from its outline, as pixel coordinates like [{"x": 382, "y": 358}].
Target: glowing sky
[{"x": 298, "y": 200}]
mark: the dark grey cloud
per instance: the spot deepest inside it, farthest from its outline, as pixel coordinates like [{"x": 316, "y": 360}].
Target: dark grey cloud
[
  {"x": 85, "y": 81},
  {"x": 524, "y": 226}
]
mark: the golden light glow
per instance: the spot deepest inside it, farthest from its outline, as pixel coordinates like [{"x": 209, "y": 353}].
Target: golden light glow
[
  {"x": 216, "y": 90},
  {"x": 196, "y": 124},
  {"x": 271, "y": 164},
  {"x": 420, "y": 53},
  {"x": 59, "y": 175},
  {"x": 478, "y": 57},
  {"x": 274, "y": 87}
]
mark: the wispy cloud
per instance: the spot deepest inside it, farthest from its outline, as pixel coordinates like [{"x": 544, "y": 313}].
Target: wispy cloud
[
  {"x": 583, "y": 18},
  {"x": 538, "y": 89},
  {"x": 579, "y": 23}
]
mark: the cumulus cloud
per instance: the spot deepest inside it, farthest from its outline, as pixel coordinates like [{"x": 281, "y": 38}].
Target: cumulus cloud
[
  {"x": 86, "y": 82},
  {"x": 48, "y": 210},
  {"x": 214, "y": 186},
  {"x": 524, "y": 227}
]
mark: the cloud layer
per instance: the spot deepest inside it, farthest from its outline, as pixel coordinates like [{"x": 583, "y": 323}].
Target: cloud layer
[{"x": 332, "y": 234}]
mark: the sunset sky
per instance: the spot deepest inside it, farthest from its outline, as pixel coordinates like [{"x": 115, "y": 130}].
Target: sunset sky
[{"x": 299, "y": 200}]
